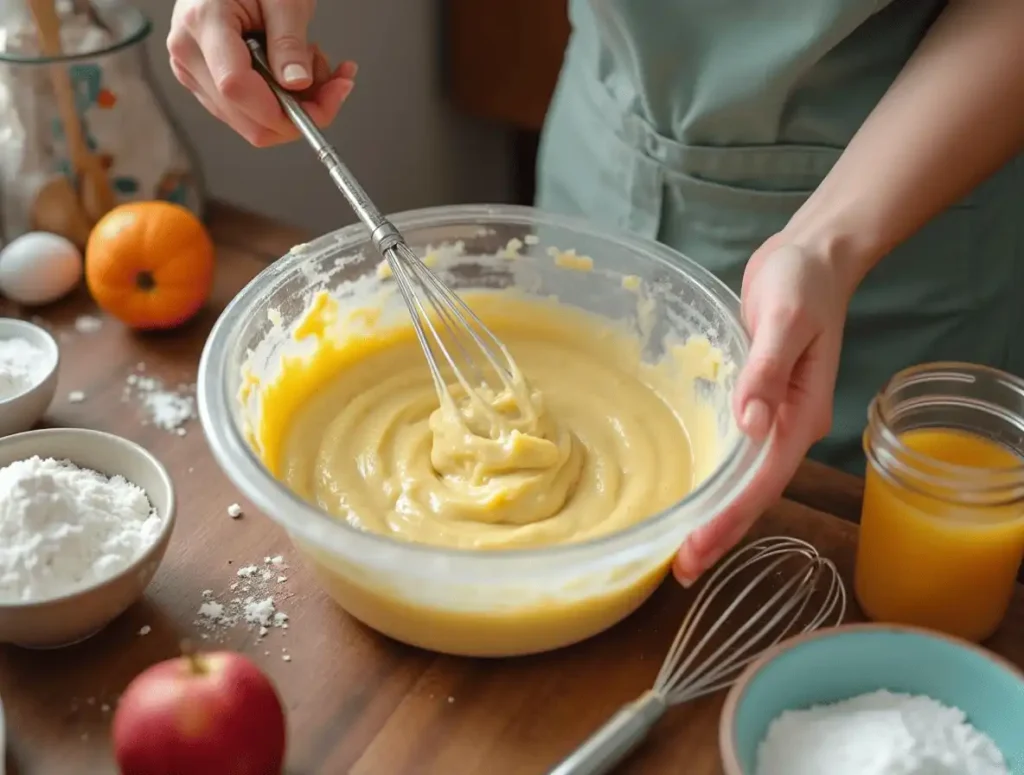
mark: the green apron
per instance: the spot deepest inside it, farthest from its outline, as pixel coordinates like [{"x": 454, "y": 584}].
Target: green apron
[{"x": 705, "y": 124}]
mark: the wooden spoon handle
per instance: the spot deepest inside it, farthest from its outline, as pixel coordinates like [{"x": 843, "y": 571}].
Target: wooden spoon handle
[{"x": 97, "y": 196}]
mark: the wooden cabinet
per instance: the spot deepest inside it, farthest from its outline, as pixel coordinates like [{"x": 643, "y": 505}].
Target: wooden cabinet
[{"x": 503, "y": 57}]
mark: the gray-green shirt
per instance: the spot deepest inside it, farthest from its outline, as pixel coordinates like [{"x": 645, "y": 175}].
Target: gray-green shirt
[{"x": 705, "y": 124}]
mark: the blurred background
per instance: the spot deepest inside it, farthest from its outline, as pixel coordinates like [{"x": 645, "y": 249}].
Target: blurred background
[{"x": 449, "y": 96}]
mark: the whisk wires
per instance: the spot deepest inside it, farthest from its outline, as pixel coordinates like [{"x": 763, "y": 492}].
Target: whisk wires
[
  {"x": 688, "y": 673},
  {"x": 441, "y": 316}
]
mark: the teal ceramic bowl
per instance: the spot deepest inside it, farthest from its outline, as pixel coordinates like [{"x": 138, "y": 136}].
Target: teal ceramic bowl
[{"x": 836, "y": 664}]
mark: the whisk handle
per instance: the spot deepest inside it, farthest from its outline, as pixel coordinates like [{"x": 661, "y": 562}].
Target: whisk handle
[
  {"x": 382, "y": 232},
  {"x": 610, "y": 744}
]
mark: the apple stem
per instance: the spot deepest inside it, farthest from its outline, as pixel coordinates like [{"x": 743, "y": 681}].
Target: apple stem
[{"x": 195, "y": 662}]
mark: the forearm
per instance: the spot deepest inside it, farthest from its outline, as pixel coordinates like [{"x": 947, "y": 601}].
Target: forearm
[{"x": 953, "y": 117}]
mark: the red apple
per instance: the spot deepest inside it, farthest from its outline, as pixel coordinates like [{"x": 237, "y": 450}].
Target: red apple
[{"x": 200, "y": 714}]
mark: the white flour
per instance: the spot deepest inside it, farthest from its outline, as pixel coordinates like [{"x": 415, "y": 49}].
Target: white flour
[
  {"x": 169, "y": 410},
  {"x": 88, "y": 324},
  {"x": 253, "y": 600},
  {"x": 880, "y": 733},
  {"x": 63, "y": 528},
  {"x": 20, "y": 365}
]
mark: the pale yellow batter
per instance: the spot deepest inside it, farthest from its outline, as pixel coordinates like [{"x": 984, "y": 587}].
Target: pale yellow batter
[
  {"x": 354, "y": 426},
  {"x": 603, "y": 444}
]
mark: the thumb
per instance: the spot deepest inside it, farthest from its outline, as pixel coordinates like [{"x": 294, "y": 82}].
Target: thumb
[
  {"x": 764, "y": 381},
  {"x": 291, "y": 58}
]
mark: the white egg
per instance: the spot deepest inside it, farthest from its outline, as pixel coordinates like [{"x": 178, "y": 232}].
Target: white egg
[{"x": 39, "y": 268}]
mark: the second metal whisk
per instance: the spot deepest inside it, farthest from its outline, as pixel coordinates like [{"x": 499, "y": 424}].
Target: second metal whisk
[
  {"x": 721, "y": 634},
  {"x": 449, "y": 332}
]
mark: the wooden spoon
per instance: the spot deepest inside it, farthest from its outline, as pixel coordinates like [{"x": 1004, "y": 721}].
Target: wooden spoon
[
  {"x": 93, "y": 185},
  {"x": 56, "y": 209}
]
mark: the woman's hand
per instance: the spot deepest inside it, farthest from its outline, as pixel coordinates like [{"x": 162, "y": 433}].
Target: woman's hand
[
  {"x": 210, "y": 59},
  {"x": 794, "y": 306}
]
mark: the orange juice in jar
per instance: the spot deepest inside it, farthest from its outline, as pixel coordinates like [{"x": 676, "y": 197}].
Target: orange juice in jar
[{"x": 942, "y": 524}]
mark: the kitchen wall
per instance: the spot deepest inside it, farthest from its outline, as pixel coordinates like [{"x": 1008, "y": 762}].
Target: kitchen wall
[{"x": 397, "y": 133}]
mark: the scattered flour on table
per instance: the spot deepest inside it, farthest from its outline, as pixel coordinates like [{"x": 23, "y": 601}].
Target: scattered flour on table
[
  {"x": 21, "y": 366},
  {"x": 880, "y": 733},
  {"x": 88, "y": 324},
  {"x": 170, "y": 410},
  {"x": 252, "y": 600},
  {"x": 63, "y": 528}
]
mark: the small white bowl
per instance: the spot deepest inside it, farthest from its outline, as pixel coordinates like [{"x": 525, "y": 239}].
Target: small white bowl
[
  {"x": 81, "y": 613},
  {"x": 20, "y": 412}
]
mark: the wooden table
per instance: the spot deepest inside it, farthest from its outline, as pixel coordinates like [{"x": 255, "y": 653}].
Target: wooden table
[{"x": 357, "y": 702}]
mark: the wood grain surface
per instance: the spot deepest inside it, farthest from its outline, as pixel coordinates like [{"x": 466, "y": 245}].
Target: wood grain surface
[{"x": 356, "y": 701}]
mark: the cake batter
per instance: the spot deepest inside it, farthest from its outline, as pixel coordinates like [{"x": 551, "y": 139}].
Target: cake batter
[{"x": 606, "y": 440}]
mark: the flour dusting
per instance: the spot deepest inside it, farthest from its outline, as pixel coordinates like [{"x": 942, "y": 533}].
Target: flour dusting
[
  {"x": 168, "y": 409},
  {"x": 88, "y": 324},
  {"x": 253, "y": 600}
]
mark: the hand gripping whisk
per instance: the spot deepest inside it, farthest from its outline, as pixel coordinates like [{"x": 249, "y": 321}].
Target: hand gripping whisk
[
  {"x": 449, "y": 332},
  {"x": 806, "y": 593}
]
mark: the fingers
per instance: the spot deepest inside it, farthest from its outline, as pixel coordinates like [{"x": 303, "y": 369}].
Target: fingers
[
  {"x": 330, "y": 90},
  {"x": 291, "y": 58},
  {"x": 707, "y": 545},
  {"x": 215, "y": 99},
  {"x": 803, "y": 417},
  {"x": 781, "y": 335},
  {"x": 325, "y": 103},
  {"x": 762, "y": 384},
  {"x": 210, "y": 58}
]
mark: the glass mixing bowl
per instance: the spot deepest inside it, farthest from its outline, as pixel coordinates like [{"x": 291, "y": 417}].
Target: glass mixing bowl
[{"x": 481, "y": 603}]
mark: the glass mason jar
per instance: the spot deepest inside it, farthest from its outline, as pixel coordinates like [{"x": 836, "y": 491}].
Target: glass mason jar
[
  {"x": 124, "y": 124},
  {"x": 942, "y": 524}
]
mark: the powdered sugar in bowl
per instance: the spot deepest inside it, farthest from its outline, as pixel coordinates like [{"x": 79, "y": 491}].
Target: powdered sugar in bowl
[
  {"x": 29, "y": 361},
  {"x": 85, "y": 520},
  {"x": 875, "y": 699}
]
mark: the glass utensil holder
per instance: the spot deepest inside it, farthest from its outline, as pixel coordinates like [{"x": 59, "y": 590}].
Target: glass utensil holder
[{"x": 123, "y": 121}]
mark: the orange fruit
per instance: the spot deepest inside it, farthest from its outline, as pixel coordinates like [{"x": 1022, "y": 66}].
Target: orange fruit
[{"x": 149, "y": 264}]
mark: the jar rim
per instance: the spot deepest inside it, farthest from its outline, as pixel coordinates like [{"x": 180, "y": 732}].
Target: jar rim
[{"x": 902, "y": 461}]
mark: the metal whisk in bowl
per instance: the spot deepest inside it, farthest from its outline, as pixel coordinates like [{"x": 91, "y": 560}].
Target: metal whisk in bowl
[
  {"x": 449, "y": 332},
  {"x": 807, "y": 593}
]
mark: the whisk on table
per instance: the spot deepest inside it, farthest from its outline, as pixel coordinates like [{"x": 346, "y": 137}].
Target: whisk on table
[{"x": 806, "y": 593}]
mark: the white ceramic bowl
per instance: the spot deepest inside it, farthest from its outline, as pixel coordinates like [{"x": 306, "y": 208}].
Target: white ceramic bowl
[
  {"x": 20, "y": 412},
  {"x": 81, "y": 613}
]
